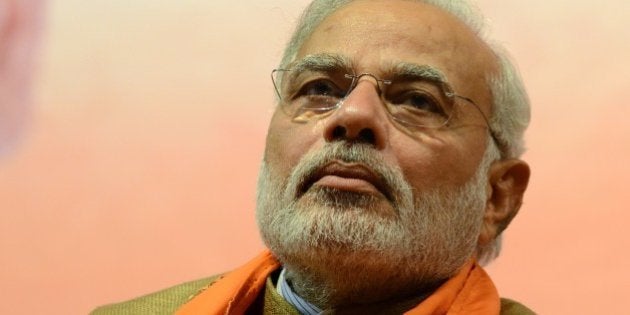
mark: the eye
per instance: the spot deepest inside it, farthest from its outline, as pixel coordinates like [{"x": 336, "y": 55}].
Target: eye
[
  {"x": 321, "y": 87},
  {"x": 418, "y": 101}
]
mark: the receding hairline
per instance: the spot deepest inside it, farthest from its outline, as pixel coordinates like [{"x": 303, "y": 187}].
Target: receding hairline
[{"x": 474, "y": 32}]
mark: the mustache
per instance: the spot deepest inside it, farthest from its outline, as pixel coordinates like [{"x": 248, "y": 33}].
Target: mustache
[{"x": 391, "y": 179}]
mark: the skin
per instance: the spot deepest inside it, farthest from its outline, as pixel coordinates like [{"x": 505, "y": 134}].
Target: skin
[{"x": 374, "y": 35}]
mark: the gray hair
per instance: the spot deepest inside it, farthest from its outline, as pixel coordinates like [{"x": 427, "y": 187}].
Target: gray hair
[{"x": 510, "y": 107}]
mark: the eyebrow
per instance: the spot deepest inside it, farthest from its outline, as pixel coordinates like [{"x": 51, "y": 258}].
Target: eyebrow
[
  {"x": 323, "y": 62},
  {"x": 328, "y": 62},
  {"x": 415, "y": 72}
]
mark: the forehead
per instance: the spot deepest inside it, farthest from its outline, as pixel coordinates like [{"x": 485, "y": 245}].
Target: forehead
[{"x": 375, "y": 34}]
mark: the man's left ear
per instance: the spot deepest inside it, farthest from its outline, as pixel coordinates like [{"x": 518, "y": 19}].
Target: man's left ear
[{"x": 507, "y": 181}]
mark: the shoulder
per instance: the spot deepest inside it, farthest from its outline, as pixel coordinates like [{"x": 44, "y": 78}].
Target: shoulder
[
  {"x": 511, "y": 307},
  {"x": 166, "y": 301}
]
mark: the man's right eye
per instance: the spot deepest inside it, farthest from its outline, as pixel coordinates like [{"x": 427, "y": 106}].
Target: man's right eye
[{"x": 321, "y": 87}]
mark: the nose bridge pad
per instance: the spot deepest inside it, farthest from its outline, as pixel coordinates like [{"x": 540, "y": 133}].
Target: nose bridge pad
[
  {"x": 375, "y": 81},
  {"x": 364, "y": 77}
]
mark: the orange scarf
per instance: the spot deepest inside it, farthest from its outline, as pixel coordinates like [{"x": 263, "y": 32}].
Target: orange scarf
[{"x": 469, "y": 292}]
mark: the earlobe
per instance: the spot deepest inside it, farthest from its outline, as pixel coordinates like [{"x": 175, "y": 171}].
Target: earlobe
[{"x": 507, "y": 181}]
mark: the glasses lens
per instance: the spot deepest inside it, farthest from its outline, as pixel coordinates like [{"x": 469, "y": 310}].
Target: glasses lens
[
  {"x": 305, "y": 94},
  {"x": 419, "y": 103}
]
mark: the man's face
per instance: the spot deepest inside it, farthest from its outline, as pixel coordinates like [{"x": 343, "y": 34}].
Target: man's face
[{"x": 357, "y": 187}]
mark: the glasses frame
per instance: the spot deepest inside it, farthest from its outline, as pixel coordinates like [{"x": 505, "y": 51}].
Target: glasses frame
[{"x": 355, "y": 80}]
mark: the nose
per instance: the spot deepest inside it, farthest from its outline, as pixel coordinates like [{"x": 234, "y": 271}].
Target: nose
[{"x": 360, "y": 118}]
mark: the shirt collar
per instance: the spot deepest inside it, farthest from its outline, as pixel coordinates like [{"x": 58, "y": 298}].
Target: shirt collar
[{"x": 284, "y": 289}]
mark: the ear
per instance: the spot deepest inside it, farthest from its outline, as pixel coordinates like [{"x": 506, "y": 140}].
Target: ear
[{"x": 507, "y": 181}]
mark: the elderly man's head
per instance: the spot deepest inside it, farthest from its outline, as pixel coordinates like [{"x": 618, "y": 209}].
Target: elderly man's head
[{"x": 391, "y": 159}]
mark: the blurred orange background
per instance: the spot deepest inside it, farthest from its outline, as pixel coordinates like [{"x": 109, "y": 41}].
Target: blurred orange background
[{"x": 138, "y": 165}]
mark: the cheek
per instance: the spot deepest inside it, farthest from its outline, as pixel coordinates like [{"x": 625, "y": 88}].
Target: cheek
[
  {"x": 287, "y": 142},
  {"x": 430, "y": 163}
]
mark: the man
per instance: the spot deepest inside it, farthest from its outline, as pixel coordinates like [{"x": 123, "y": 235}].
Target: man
[{"x": 391, "y": 168}]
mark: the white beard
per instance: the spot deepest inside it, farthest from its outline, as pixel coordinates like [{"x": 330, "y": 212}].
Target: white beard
[{"x": 420, "y": 238}]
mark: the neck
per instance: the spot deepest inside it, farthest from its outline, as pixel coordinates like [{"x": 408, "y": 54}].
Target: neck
[{"x": 358, "y": 291}]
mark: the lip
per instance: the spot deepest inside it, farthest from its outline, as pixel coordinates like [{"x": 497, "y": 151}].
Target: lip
[{"x": 353, "y": 177}]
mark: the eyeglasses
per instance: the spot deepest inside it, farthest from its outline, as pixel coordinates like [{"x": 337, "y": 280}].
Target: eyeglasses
[{"x": 422, "y": 102}]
